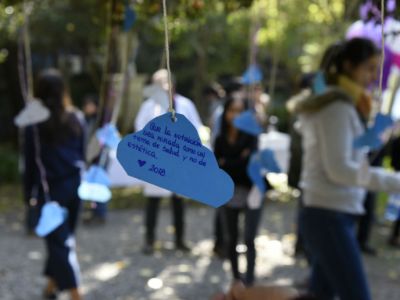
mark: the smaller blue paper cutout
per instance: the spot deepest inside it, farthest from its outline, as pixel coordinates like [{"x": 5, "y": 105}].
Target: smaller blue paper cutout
[
  {"x": 383, "y": 122},
  {"x": 108, "y": 135},
  {"x": 51, "y": 217},
  {"x": 130, "y": 18},
  {"x": 260, "y": 163},
  {"x": 170, "y": 155},
  {"x": 94, "y": 186},
  {"x": 247, "y": 122},
  {"x": 252, "y": 75},
  {"x": 95, "y": 192},
  {"x": 392, "y": 212},
  {"x": 319, "y": 84},
  {"x": 97, "y": 174},
  {"x": 372, "y": 136}
]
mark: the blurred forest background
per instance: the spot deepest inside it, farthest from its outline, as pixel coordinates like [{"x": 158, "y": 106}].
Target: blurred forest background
[{"x": 100, "y": 42}]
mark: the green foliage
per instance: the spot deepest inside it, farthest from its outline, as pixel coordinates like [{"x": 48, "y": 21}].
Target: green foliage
[
  {"x": 9, "y": 165},
  {"x": 209, "y": 38}
]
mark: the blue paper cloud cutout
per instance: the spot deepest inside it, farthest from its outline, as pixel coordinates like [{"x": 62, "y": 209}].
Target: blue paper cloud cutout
[
  {"x": 130, "y": 18},
  {"x": 372, "y": 136},
  {"x": 51, "y": 217},
  {"x": 247, "y": 122},
  {"x": 97, "y": 174},
  {"x": 96, "y": 192},
  {"x": 252, "y": 75},
  {"x": 108, "y": 135},
  {"x": 392, "y": 211},
  {"x": 319, "y": 84},
  {"x": 383, "y": 122},
  {"x": 170, "y": 155},
  {"x": 94, "y": 186},
  {"x": 259, "y": 163}
]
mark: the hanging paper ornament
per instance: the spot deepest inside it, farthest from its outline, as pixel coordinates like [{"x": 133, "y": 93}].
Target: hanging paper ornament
[
  {"x": 252, "y": 75},
  {"x": 108, "y": 135},
  {"x": 372, "y": 136},
  {"x": 51, "y": 217},
  {"x": 34, "y": 112},
  {"x": 247, "y": 122},
  {"x": 369, "y": 30},
  {"x": 94, "y": 186},
  {"x": 260, "y": 163},
  {"x": 319, "y": 84},
  {"x": 392, "y": 35},
  {"x": 130, "y": 18},
  {"x": 392, "y": 212},
  {"x": 170, "y": 155}
]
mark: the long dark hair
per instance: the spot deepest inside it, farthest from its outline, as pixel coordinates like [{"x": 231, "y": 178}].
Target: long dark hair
[
  {"x": 62, "y": 124},
  {"x": 224, "y": 124},
  {"x": 355, "y": 51}
]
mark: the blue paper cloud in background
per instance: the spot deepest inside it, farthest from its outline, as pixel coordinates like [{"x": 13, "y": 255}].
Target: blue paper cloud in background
[
  {"x": 252, "y": 75},
  {"x": 372, "y": 136},
  {"x": 260, "y": 163},
  {"x": 51, "y": 217},
  {"x": 170, "y": 155},
  {"x": 108, "y": 135},
  {"x": 247, "y": 122},
  {"x": 94, "y": 185},
  {"x": 319, "y": 84},
  {"x": 130, "y": 18}
]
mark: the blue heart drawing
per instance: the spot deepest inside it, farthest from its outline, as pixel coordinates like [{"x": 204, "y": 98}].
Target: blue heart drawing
[{"x": 141, "y": 162}]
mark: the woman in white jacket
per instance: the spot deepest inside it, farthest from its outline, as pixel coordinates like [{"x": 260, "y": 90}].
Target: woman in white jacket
[
  {"x": 336, "y": 175},
  {"x": 154, "y": 106}
]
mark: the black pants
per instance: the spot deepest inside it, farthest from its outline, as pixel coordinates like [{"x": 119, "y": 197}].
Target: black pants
[
  {"x": 62, "y": 264},
  {"x": 152, "y": 208},
  {"x": 218, "y": 229},
  {"x": 367, "y": 220},
  {"x": 395, "y": 230},
  {"x": 252, "y": 218}
]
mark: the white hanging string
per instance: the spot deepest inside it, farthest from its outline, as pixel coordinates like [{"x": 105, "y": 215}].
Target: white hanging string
[
  {"x": 27, "y": 93},
  {"x": 21, "y": 68},
  {"x": 27, "y": 48},
  {"x": 171, "y": 105}
]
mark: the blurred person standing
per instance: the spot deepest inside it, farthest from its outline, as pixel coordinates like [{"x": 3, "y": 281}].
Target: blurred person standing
[
  {"x": 336, "y": 175},
  {"x": 61, "y": 140},
  {"x": 155, "y": 105},
  {"x": 233, "y": 149}
]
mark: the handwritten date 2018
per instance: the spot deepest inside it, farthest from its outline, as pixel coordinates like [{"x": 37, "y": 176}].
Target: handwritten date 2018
[{"x": 157, "y": 170}]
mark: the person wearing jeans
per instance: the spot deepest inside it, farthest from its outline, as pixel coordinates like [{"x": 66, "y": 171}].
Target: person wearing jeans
[
  {"x": 335, "y": 248},
  {"x": 252, "y": 219},
  {"x": 336, "y": 174},
  {"x": 232, "y": 151}
]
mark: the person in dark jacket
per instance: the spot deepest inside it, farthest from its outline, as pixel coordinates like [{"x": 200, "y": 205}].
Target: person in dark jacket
[
  {"x": 232, "y": 150},
  {"x": 53, "y": 159}
]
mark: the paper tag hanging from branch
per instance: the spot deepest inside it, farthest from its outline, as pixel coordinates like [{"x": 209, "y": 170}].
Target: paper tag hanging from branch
[
  {"x": 52, "y": 216},
  {"x": 170, "y": 155},
  {"x": 33, "y": 113},
  {"x": 247, "y": 122}
]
